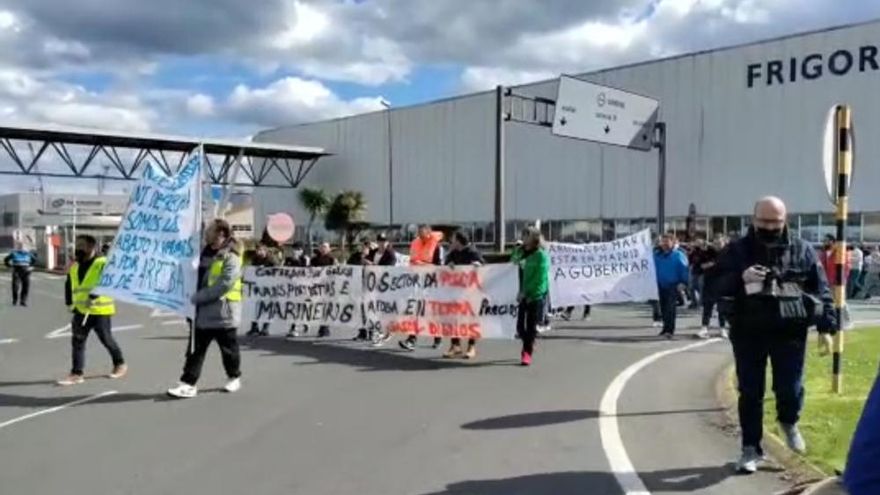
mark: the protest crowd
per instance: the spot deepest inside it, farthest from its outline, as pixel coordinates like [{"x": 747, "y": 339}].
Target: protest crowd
[{"x": 764, "y": 292}]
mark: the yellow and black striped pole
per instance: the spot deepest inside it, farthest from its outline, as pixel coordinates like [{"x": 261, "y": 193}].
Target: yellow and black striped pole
[{"x": 843, "y": 165}]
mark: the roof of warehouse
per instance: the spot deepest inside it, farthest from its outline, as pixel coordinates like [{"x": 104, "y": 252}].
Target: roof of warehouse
[
  {"x": 600, "y": 71},
  {"x": 97, "y": 137}
]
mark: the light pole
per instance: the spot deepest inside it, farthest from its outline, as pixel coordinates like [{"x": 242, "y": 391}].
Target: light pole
[{"x": 387, "y": 104}]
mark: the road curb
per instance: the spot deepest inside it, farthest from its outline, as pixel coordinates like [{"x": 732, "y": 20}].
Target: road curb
[
  {"x": 831, "y": 486},
  {"x": 798, "y": 468}
]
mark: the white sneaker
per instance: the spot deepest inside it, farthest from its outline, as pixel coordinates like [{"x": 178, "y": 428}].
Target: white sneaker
[
  {"x": 657, "y": 324},
  {"x": 703, "y": 333},
  {"x": 725, "y": 334},
  {"x": 183, "y": 391},
  {"x": 233, "y": 385}
]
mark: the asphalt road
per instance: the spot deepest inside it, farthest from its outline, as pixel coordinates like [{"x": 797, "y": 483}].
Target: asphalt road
[{"x": 333, "y": 417}]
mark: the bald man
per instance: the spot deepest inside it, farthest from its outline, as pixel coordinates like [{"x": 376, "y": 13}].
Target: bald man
[{"x": 773, "y": 290}]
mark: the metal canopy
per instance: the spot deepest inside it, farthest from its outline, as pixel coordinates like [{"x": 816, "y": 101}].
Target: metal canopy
[{"x": 76, "y": 150}]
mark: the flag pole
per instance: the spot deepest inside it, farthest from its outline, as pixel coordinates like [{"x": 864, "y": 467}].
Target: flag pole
[{"x": 201, "y": 222}]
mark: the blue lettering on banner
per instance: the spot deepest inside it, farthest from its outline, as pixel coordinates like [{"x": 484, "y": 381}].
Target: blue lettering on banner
[{"x": 152, "y": 261}]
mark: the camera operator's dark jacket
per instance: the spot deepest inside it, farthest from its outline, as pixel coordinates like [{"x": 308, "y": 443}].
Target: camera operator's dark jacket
[{"x": 792, "y": 260}]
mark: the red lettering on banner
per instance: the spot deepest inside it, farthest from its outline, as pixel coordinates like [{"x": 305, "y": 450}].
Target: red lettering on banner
[
  {"x": 406, "y": 326},
  {"x": 460, "y": 279},
  {"x": 455, "y": 330},
  {"x": 451, "y": 308}
]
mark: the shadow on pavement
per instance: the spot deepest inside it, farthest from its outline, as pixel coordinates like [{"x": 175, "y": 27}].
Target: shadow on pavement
[
  {"x": 27, "y": 383},
  {"x": 363, "y": 358},
  {"x": 673, "y": 480},
  {"x": 546, "y": 418},
  {"x": 530, "y": 420}
]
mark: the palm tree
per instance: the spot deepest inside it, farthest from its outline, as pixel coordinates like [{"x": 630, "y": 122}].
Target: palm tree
[
  {"x": 315, "y": 201},
  {"x": 347, "y": 209}
]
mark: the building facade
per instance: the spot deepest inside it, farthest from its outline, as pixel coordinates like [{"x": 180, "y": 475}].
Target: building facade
[{"x": 742, "y": 122}]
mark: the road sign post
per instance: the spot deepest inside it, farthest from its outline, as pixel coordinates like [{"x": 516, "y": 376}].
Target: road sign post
[
  {"x": 593, "y": 112},
  {"x": 838, "y": 166}
]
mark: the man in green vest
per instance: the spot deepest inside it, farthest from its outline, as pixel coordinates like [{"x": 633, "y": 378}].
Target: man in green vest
[
  {"x": 218, "y": 310},
  {"x": 90, "y": 311}
]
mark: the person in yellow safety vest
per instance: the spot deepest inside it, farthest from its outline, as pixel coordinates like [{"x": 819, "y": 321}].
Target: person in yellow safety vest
[
  {"x": 424, "y": 250},
  {"x": 218, "y": 310},
  {"x": 90, "y": 311}
]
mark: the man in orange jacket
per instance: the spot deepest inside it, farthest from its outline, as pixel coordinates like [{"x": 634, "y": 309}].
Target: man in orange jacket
[{"x": 424, "y": 250}]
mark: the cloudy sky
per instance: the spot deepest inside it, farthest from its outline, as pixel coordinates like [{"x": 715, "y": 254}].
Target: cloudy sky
[{"x": 228, "y": 68}]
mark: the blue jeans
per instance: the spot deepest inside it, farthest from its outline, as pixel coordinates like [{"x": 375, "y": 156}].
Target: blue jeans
[
  {"x": 751, "y": 350},
  {"x": 668, "y": 303}
]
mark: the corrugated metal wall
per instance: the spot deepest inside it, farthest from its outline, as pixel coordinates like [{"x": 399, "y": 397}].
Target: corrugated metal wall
[{"x": 728, "y": 145}]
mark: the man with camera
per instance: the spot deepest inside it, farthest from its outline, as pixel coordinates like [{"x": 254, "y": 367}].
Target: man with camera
[{"x": 773, "y": 290}]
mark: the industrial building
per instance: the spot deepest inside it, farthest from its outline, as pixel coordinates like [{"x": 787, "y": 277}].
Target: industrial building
[{"x": 742, "y": 122}]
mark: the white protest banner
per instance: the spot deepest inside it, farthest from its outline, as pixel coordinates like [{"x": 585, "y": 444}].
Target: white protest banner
[
  {"x": 281, "y": 296},
  {"x": 464, "y": 302},
  {"x": 603, "y": 272},
  {"x": 154, "y": 258}
]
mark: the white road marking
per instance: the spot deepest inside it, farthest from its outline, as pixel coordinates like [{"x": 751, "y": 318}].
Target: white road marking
[
  {"x": 159, "y": 313},
  {"x": 175, "y": 322},
  {"x": 65, "y": 331},
  {"x": 8, "y": 341},
  {"x": 57, "y": 408},
  {"x": 621, "y": 466}
]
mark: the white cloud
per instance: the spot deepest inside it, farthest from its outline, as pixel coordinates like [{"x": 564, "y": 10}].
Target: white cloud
[
  {"x": 25, "y": 98},
  {"x": 8, "y": 21},
  {"x": 483, "y": 78},
  {"x": 308, "y": 23},
  {"x": 292, "y": 100},
  {"x": 200, "y": 105}
]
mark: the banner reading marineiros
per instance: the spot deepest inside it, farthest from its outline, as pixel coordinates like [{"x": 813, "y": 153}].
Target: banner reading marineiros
[
  {"x": 604, "y": 272},
  {"x": 282, "y": 296},
  {"x": 464, "y": 302},
  {"x": 154, "y": 258}
]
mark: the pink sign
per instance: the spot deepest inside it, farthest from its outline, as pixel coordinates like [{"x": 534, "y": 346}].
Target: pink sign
[{"x": 280, "y": 227}]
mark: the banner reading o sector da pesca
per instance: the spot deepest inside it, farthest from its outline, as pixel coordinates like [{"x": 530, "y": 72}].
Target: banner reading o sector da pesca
[{"x": 464, "y": 302}]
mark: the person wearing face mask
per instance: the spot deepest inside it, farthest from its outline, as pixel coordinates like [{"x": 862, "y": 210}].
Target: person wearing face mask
[
  {"x": 262, "y": 257},
  {"x": 91, "y": 312},
  {"x": 299, "y": 259},
  {"x": 774, "y": 290},
  {"x": 218, "y": 310}
]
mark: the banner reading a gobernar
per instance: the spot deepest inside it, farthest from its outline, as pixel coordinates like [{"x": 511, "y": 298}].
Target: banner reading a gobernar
[
  {"x": 154, "y": 258},
  {"x": 464, "y": 302},
  {"x": 603, "y": 272},
  {"x": 282, "y": 296}
]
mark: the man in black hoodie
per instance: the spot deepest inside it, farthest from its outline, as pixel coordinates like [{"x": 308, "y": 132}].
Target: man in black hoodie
[
  {"x": 323, "y": 258},
  {"x": 462, "y": 253},
  {"x": 261, "y": 257}
]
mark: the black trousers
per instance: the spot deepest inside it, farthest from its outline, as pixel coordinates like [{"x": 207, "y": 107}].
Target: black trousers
[
  {"x": 80, "y": 334},
  {"x": 226, "y": 339},
  {"x": 786, "y": 354},
  {"x": 528, "y": 317},
  {"x": 668, "y": 304},
  {"x": 21, "y": 285}
]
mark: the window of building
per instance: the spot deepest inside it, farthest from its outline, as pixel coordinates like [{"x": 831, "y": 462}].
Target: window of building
[
  {"x": 735, "y": 226},
  {"x": 809, "y": 228},
  {"x": 8, "y": 219},
  {"x": 716, "y": 227},
  {"x": 871, "y": 227},
  {"x": 608, "y": 230}
]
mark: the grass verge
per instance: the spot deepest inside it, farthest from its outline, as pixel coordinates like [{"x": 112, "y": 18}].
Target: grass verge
[{"x": 828, "y": 420}]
